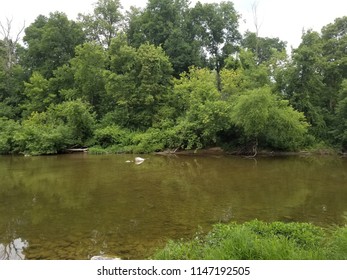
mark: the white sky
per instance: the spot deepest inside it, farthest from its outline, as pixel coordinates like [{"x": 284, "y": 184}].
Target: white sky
[{"x": 279, "y": 18}]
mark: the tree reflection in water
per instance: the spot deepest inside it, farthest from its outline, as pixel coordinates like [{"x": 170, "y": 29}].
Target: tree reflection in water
[{"x": 13, "y": 250}]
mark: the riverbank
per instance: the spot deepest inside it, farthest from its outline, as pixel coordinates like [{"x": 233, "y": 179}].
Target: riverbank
[
  {"x": 218, "y": 151},
  {"x": 258, "y": 240},
  {"x": 263, "y": 152}
]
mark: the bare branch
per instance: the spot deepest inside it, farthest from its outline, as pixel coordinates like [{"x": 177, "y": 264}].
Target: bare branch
[
  {"x": 5, "y": 30},
  {"x": 19, "y": 33},
  {"x": 9, "y": 42},
  {"x": 255, "y": 17}
]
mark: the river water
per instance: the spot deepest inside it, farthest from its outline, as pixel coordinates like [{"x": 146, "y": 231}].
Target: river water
[{"x": 78, "y": 206}]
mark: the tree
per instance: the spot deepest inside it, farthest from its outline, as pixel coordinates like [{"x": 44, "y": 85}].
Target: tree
[
  {"x": 11, "y": 92},
  {"x": 9, "y": 44},
  {"x": 138, "y": 83},
  {"x": 216, "y": 28},
  {"x": 38, "y": 96},
  {"x": 62, "y": 84},
  {"x": 340, "y": 118},
  {"x": 88, "y": 67},
  {"x": 242, "y": 73},
  {"x": 263, "y": 48},
  {"x": 262, "y": 116},
  {"x": 3, "y": 63},
  {"x": 303, "y": 82},
  {"x": 11, "y": 72},
  {"x": 203, "y": 112},
  {"x": 79, "y": 119},
  {"x": 50, "y": 43},
  {"x": 334, "y": 40},
  {"x": 105, "y": 23},
  {"x": 167, "y": 24}
]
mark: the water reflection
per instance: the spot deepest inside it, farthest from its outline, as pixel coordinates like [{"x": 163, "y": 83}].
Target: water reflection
[{"x": 78, "y": 206}]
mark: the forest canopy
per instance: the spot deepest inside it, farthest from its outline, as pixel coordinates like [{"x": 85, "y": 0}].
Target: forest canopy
[{"x": 169, "y": 76}]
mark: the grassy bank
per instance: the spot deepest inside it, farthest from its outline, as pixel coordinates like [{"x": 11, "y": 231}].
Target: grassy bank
[{"x": 257, "y": 240}]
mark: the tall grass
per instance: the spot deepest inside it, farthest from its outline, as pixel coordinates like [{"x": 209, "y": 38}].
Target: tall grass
[{"x": 257, "y": 240}]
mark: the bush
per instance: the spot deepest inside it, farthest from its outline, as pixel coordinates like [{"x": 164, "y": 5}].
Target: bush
[
  {"x": 77, "y": 116},
  {"x": 112, "y": 135},
  {"x": 260, "y": 114},
  {"x": 39, "y": 136},
  {"x": 150, "y": 141},
  {"x": 7, "y": 130},
  {"x": 62, "y": 126}
]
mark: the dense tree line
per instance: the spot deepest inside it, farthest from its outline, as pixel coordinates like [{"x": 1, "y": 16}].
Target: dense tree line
[{"x": 169, "y": 76}]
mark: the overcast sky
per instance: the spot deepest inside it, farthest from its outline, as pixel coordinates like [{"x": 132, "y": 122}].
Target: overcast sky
[{"x": 285, "y": 19}]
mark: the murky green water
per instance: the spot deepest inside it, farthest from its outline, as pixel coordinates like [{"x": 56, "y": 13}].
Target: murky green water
[{"x": 78, "y": 206}]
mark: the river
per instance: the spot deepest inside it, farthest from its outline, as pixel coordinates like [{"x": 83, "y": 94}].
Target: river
[{"x": 79, "y": 205}]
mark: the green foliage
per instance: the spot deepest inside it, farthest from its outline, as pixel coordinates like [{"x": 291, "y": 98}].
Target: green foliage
[
  {"x": 77, "y": 116},
  {"x": 303, "y": 234},
  {"x": 254, "y": 107},
  {"x": 124, "y": 72},
  {"x": 38, "y": 135},
  {"x": 217, "y": 30},
  {"x": 205, "y": 113},
  {"x": 62, "y": 83},
  {"x": 64, "y": 125},
  {"x": 50, "y": 43},
  {"x": 263, "y": 48},
  {"x": 338, "y": 244},
  {"x": 38, "y": 96},
  {"x": 244, "y": 73},
  {"x": 7, "y": 130},
  {"x": 138, "y": 83},
  {"x": 12, "y": 76},
  {"x": 334, "y": 38},
  {"x": 257, "y": 240},
  {"x": 166, "y": 23},
  {"x": 304, "y": 82},
  {"x": 262, "y": 115},
  {"x": 112, "y": 135},
  {"x": 233, "y": 81},
  {"x": 287, "y": 128},
  {"x": 313, "y": 80},
  {"x": 88, "y": 67},
  {"x": 113, "y": 139},
  {"x": 150, "y": 141},
  {"x": 105, "y": 23},
  {"x": 341, "y": 123},
  {"x": 11, "y": 92}
]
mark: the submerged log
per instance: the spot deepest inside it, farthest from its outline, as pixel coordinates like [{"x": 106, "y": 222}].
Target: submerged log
[
  {"x": 206, "y": 151},
  {"x": 77, "y": 150}
]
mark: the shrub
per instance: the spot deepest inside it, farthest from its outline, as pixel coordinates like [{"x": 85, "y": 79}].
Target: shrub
[
  {"x": 150, "y": 141},
  {"x": 112, "y": 135},
  {"x": 61, "y": 126},
  {"x": 39, "y": 136},
  {"x": 7, "y": 130}
]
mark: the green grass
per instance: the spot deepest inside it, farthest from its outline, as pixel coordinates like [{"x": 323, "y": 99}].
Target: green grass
[{"x": 257, "y": 240}]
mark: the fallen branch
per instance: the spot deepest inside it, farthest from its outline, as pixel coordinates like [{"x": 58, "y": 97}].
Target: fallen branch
[{"x": 79, "y": 150}]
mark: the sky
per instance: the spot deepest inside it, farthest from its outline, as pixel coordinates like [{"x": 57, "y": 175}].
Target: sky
[{"x": 285, "y": 19}]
